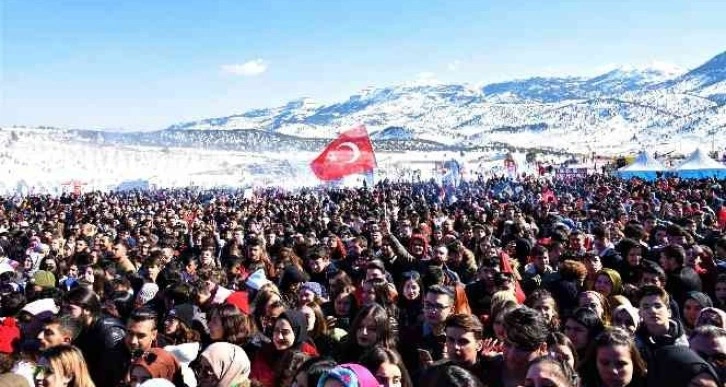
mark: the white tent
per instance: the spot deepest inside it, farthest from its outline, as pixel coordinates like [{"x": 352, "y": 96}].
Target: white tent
[
  {"x": 644, "y": 167},
  {"x": 699, "y": 166}
]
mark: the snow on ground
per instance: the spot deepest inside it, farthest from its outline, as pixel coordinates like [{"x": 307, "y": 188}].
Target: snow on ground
[
  {"x": 42, "y": 164},
  {"x": 40, "y": 161}
]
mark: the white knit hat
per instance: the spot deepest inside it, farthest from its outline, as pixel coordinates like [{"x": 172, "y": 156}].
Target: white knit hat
[
  {"x": 257, "y": 280},
  {"x": 148, "y": 292}
]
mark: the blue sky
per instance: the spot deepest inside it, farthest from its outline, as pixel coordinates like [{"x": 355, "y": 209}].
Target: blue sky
[{"x": 140, "y": 64}]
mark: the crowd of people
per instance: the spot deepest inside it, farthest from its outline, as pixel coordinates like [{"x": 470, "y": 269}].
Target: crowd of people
[{"x": 581, "y": 282}]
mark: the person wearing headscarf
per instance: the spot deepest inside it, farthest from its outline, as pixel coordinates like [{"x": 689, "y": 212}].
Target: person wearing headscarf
[
  {"x": 222, "y": 365},
  {"x": 608, "y": 283},
  {"x": 679, "y": 366},
  {"x": 290, "y": 333},
  {"x": 626, "y": 317},
  {"x": 349, "y": 375}
]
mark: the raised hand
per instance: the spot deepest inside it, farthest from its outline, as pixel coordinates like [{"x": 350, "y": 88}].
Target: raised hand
[{"x": 491, "y": 347}]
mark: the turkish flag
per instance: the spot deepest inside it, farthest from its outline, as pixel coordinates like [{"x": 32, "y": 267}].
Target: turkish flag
[{"x": 350, "y": 153}]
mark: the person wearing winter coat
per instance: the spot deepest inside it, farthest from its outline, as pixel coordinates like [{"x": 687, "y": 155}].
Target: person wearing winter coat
[
  {"x": 101, "y": 339},
  {"x": 289, "y": 333},
  {"x": 657, "y": 329}
]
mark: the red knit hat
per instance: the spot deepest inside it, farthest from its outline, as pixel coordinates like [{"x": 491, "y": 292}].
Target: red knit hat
[
  {"x": 240, "y": 300},
  {"x": 159, "y": 364},
  {"x": 9, "y": 335}
]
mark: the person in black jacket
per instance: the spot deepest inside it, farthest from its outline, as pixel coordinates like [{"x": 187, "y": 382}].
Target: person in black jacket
[
  {"x": 681, "y": 279},
  {"x": 101, "y": 339}
]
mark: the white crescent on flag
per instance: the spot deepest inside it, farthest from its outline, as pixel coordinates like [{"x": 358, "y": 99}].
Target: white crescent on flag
[{"x": 353, "y": 148}]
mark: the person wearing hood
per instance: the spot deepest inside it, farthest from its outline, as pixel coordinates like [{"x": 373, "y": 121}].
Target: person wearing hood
[
  {"x": 711, "y": 316},
  {"x": 692, "y": 306},
  {"x": 657, "y": 329},
  {"x": 289, "y": 333},
  {"x": 222, "y": 365},
  {"x": 679, "y": 366}
]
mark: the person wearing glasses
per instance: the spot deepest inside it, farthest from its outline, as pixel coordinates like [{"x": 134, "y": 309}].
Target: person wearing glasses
[
  {"x": 709, "y": 342},
  {"x": 423, "y": 343}
]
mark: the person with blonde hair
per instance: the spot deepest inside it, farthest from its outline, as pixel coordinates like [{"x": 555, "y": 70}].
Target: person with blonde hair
[{"x": 62, "y": 366}]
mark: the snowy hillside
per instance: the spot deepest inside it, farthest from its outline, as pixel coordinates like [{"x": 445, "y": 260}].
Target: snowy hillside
[{"x": 659, "y": 104}]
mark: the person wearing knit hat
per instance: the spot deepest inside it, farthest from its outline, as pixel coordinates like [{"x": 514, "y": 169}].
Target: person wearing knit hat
[
  {"x": 310, "y": 292},
  {"x": 257, "y": 280},
  {"x": 608, "y": 282},
  {"x": 147, "y": 293},
  {"x": 155, "y": 363},
  {"x": 190, "y": 315},
  {"x": 240, "y": 300},
  {"x": 692, "y": 305},
  {"x": 43, "y": 279},
  {"x": 348, "y": 375}
]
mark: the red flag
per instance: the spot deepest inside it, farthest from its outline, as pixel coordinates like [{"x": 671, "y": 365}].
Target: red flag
[{"x": 350, "y": 153}]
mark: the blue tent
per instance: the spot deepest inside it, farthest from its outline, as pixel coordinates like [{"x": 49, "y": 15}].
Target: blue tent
[
  {"x": 699, "y": 166},
  {"x": 644, "y": 167}
]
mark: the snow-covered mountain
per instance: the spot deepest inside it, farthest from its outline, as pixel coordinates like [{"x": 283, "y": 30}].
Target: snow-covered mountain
[{"x": 655, "y": 105}]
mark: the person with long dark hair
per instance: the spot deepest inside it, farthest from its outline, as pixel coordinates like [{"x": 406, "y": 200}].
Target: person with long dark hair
[
  {"x": 371, "y": 327},
  {"x": 386, "y": 365},
  {"x": 581, "y": 328},
  {"x": 229, "y": 324}
]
